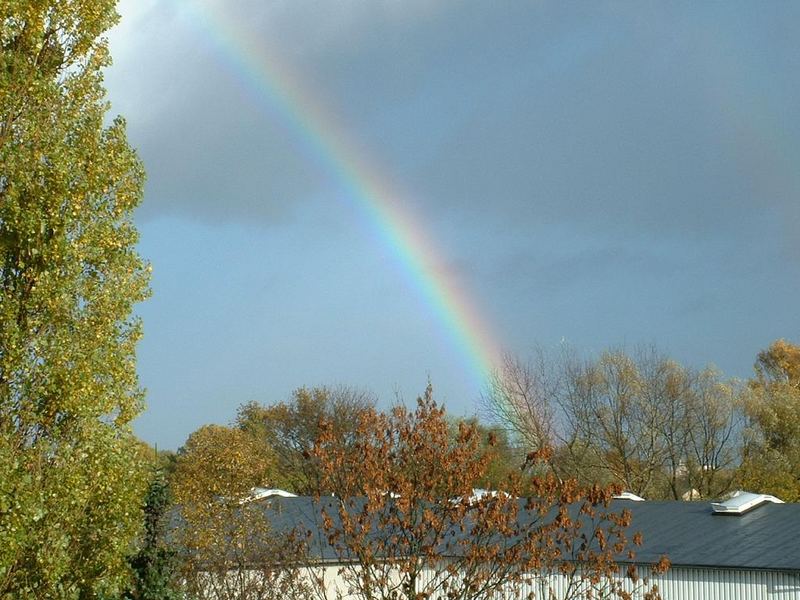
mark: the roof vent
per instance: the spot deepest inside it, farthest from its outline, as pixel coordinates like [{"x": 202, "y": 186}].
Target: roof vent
[
  {"x": 629, "y": 496},
  {"x": 741, "y": 502}
]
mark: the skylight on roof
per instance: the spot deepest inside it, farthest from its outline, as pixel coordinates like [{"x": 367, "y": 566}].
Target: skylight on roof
[
  {"x": 258, "y": 493},
  {"x": 629, "y": 496},
  {"x": 741, "y": 502}
]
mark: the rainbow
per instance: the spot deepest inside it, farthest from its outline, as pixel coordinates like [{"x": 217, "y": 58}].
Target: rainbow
[{"x": 280, "y": 92}]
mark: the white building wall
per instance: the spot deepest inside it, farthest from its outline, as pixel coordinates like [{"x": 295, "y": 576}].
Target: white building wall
[
  {"x": 727, "y": 584},
  {"x": 680, "y": 583},
  {"x": 336, "y": 582}
]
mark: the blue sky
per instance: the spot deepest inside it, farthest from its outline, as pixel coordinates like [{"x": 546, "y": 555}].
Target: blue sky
[{"x": 598, "y": 173}]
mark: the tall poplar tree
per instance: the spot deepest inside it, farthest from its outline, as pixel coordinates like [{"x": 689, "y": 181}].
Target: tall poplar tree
[{"x": 71, "y": 477}]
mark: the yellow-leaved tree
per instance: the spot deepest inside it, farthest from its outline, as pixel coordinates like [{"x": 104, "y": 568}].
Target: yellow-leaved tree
[
  {"x": 772, "y": 453},
  {"x": 72, "y": 477},
  {"x": 224, "y": 536}
]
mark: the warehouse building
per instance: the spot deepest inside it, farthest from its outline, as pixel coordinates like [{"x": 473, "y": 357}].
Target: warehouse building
[{"x": 744, "y": 548}]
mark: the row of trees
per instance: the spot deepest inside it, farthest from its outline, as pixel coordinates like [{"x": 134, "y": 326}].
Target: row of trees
[
  {"x": 635, "y": 421},
  {"x": 638, "y": 420},
  {"x": 653, "y": 426},
  {"x": 395, "y": 504},
  {"x": 325, "y": 440}
]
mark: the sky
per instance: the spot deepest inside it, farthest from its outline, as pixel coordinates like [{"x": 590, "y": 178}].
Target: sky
[{"x": 382, "y": 193}]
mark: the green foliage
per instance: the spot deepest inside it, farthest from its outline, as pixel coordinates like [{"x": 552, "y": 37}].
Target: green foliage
[
  {"x": 155, "y": 565},
  {"x": 69, "y": 277},
  {"x": 291, "y": 428},
  {"x": 772, "y": 452},
  {"x": 226, "y": 546},
  {"x": 504, "y": 460},
  {"x": 220, "y": 462}
]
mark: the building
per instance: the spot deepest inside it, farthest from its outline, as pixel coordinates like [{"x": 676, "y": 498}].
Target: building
[{"x": 745, "y": 548}]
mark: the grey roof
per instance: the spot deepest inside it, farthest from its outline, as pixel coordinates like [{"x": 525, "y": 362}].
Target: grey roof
[{"x": 688, "y": 533}]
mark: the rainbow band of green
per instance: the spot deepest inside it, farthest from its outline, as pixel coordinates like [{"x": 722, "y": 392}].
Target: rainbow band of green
[{"x": 280, "y": 92}]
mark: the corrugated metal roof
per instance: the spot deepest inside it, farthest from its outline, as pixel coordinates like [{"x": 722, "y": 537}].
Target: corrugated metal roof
[{"x": 688, "y": 533}]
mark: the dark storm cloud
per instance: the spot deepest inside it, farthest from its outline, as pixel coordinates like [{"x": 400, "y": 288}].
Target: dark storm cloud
[
  {"x": 210, "y": 149},
  {"x": 657, "y": 130},
  {"x": 212, "y": 146},
  {"x": 643, "y": 117}
]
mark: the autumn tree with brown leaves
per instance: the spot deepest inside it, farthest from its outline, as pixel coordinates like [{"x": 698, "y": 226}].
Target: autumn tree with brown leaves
[{"x": 405, "y": 522}]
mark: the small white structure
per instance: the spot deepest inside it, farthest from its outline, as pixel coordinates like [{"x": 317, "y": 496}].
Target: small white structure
[
  {"x": 629, "y": 496},
  {"x": 258, "y": 493},
  {"x": 740, "y": 502}
]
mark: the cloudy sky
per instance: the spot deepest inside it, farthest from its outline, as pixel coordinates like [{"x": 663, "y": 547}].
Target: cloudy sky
[{"x": 595, "y": 173}]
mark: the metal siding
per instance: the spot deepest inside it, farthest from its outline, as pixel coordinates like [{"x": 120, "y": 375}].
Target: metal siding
[{"x": 681, "y": 583}]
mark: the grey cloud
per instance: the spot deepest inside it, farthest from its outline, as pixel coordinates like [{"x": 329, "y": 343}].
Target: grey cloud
[
  {"x": 626, "y": 138},
  {"x": 650, "y": 118},
  {"x": 212, "y": 147}
]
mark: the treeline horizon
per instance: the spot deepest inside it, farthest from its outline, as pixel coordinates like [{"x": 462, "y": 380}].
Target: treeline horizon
[
  {"x": 630, "y": 418},
  {"x": 561, "y": 431}
]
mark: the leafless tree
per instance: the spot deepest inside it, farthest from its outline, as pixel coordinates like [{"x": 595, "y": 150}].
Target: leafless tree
[
  {"x": 637, "y": 419},
  {"x": 611, "y": 420},
  {"x": 716, "y": 423},
  {"x": 520, "y": 395}
]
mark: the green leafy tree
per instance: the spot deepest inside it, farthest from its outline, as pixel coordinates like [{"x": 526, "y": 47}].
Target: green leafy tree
[
  {"x": 155, "y": 565},
  {"x": 505, "y": 459},
  {"x": 72, "y": 473},
  {"x": 291, "y": 428},
  {"x": 772, "y": 453}
]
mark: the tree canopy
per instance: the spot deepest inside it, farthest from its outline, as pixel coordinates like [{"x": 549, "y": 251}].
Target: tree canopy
[
  {"x": 69, "y": 278},
  {"x": 772, "y": 452},
  {"x": 291, "y": 428},
  {"x": 408, "y": 524},
  {"x": 637, "y": 419}
]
